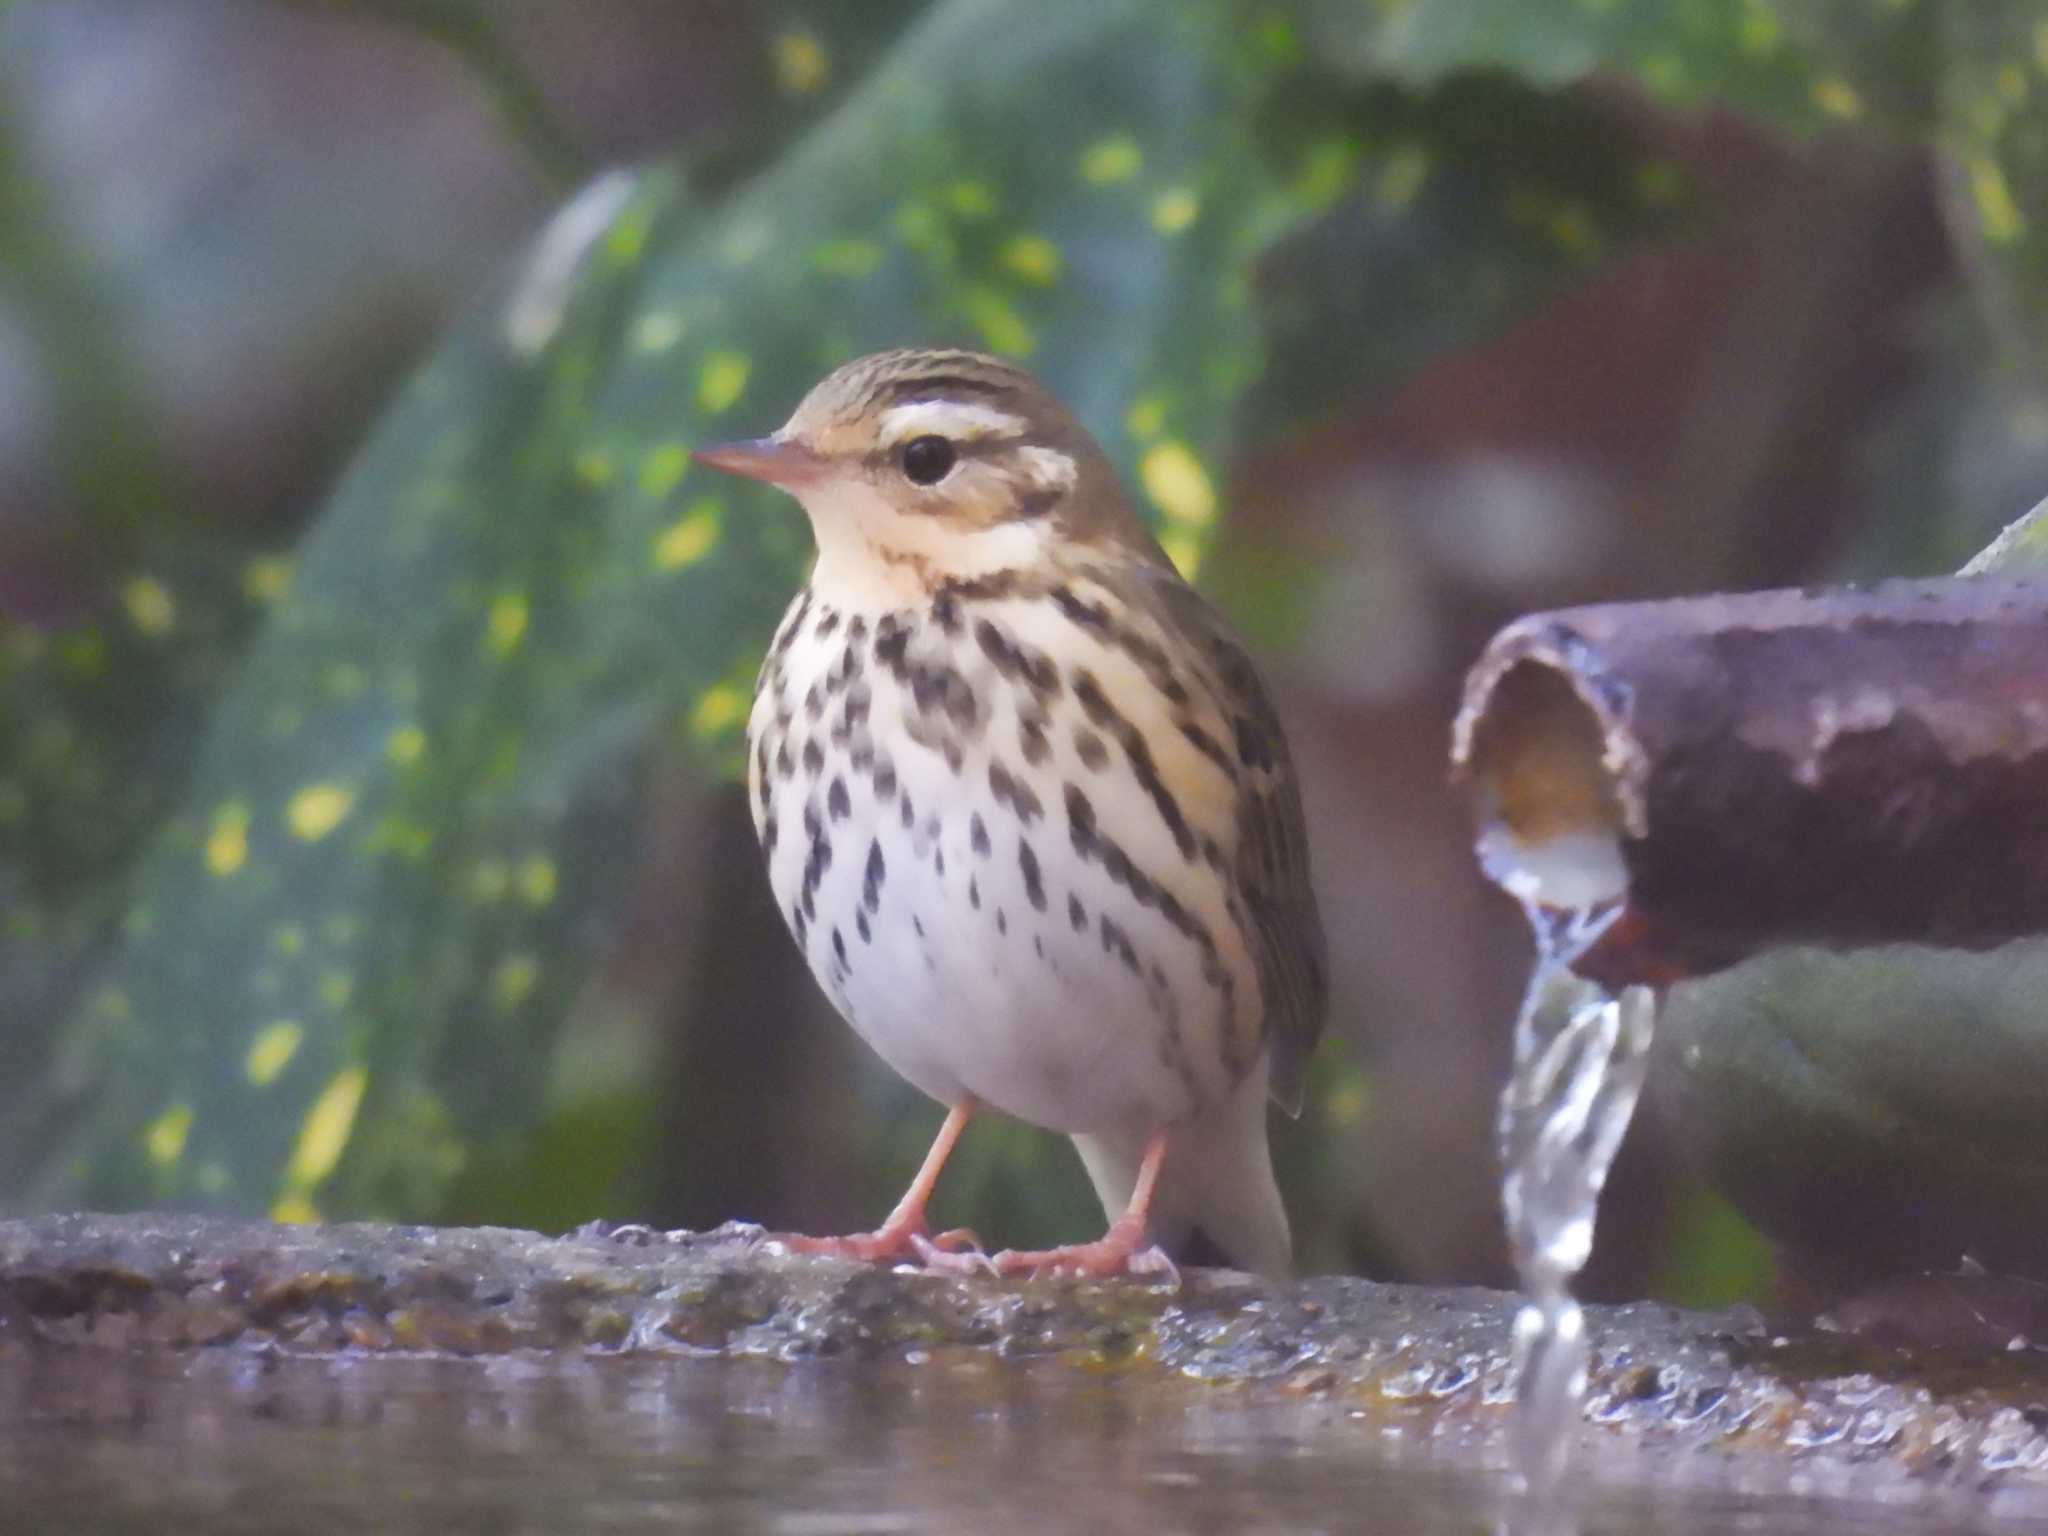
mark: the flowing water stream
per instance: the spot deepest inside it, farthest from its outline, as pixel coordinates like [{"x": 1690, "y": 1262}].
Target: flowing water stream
[{"x": 1580, "y": 1056}]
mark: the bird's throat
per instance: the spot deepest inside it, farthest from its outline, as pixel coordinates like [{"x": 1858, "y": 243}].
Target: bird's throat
[{"x": 873, "y": 557}]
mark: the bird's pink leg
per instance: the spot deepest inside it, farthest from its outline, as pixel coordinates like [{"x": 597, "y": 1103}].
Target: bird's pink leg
[
  {"x": 1119, "y": 1251},
  {"x": 905, "y": 1234}
]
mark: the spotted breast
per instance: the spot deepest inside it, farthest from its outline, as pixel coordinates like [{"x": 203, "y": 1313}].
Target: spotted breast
[{"x": 981, "y": 858}]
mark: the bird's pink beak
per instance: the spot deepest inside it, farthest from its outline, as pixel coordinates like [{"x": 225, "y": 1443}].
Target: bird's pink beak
[{"x": 776, "y": 460}]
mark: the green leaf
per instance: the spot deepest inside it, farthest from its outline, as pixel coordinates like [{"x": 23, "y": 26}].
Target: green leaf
[
  {"x": 1969, "y": 77},
  {"x": 354, "y": 949},
  {"x": 1687, "y": 53},
  {"x": 100, "y": 721}
]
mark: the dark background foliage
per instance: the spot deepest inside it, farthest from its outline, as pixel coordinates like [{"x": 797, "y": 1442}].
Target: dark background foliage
[{"x": 372, "y": 662}]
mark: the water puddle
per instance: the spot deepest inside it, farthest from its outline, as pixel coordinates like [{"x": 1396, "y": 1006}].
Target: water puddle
[
  {"x": 1580, "y": 1056},
  {"x": 239, "y": 1442}
]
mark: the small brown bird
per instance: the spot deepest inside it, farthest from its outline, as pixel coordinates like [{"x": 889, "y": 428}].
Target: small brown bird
[{"x": 1027, "y": 809}]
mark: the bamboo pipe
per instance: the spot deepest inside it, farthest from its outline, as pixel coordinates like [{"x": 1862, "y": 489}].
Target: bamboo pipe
[{"x": 1835, "y": 767}]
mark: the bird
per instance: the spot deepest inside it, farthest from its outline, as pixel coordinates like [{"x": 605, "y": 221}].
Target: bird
[{"x": 1027, "y": 810}]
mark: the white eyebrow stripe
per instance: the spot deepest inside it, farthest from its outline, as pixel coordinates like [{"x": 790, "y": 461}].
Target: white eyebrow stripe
[{"x": 946, "y": 418}]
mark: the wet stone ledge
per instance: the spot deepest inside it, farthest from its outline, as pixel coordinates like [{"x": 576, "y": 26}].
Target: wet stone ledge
[{"x": 1434, "y": 1361}]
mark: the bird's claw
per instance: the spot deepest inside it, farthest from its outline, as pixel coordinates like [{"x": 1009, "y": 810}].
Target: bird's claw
[
  {"x": 955, "y": 1252},
  {"x": 959, "y": 1259},
  {"x": 1105, "y": 1259},
  {"x": 1155, "y": 1263}
]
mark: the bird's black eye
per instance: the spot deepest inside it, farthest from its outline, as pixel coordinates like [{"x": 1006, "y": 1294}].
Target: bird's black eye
[{"x": 928, "y": 459}]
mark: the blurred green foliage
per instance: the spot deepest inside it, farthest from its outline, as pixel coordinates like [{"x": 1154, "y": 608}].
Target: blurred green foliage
[{"x": 308, "y": 854}]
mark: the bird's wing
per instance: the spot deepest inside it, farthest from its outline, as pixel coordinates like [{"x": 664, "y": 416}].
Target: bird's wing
[{"x": 1272, "y": 847}]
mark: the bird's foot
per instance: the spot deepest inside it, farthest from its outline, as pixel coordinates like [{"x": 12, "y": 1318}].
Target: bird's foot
[
  {"x": 956, "y": 1252},
  {"x": 1117, "y": 1252}
]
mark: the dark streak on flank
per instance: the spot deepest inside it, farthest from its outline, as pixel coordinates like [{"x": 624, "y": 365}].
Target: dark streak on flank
[
  {"x": 1034, "y": 881},
  {"x": 1033, "y": 740},
  {"x": 838, "y": 804},
  {"x": 1090, "y": 842},
  {"x": 1210, "y": 748},
  {"x": 1173, "y": 1046},
  {"x": 1084, "y": 614},
  {"x": 1138, "y": 753},
  {"x": 1076, "y": 913},
  {"x": 1014, "y": 792},
  {"x": 1080, "y": 820},
  {"x": 1017, "y": 662},
  {"x": 819, "y": 860},
  {"x": 871, "y": 880},
  {"x": 1115, "y": 941},
  {"x": 1253, "y": 750},
  {"x": 1150, "y": 656},
  {"x": 814, "y": 758},
  {"x": 977, "y": 835},
  {"x": 1157, "y": 667}
]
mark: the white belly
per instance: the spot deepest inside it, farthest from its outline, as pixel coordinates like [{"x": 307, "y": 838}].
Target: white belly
[{"x": 1062, "y": 1000}]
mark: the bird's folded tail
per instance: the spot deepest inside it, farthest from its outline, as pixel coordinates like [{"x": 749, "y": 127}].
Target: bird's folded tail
[{"x": 1216, "y": 1202}]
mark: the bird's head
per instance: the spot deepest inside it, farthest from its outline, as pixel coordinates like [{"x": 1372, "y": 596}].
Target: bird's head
[{"x": 926, "y": 465}]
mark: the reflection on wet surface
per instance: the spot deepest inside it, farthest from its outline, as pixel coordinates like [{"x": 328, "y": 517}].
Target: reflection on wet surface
[{"x": 235, "y": 1439}]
